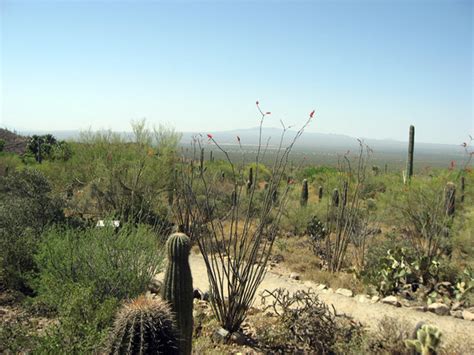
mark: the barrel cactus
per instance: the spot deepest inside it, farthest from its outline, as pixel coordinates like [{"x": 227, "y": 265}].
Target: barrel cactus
[
  {"x": 177, "y": 287},
  {"x": 428, "y": 339},
  {"x": 304, "y": 193},
  {"x": 144, "y": 326}
]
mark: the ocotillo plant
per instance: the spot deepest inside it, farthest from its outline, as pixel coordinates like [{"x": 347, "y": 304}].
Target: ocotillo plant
[
  {"x": 177, "y": 287},
  {"x": 463, "y": 187},
  {"x": 335, "y": 198},
  {"x": 450, "y": 198},
  {"x": 411, "y": 147},
  {"x": 144, "y": 326},
  {"x": 304, "y": 193},
  {"x": 320, "y": 193}
]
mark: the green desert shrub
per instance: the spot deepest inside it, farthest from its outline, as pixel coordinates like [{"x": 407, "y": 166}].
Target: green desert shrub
[
  {"x": 26, "y": 209},
  {"x": 114, "y": 263}
]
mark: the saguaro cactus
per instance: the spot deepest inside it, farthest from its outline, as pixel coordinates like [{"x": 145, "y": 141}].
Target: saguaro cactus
[
  {"x": 463, "y": 187},
  {"x": 450, "y": 198},
  {"x": 177, "y": 287},
  {"x": 144, "y": 326},
  {"x": 335, "y": 197},
  {"x": 345, "y": 187},
  {"x": 211, "y": 157},
  {"x": 250, "y": 180},
  {"x": 411, "y": 147},
  {"x": 304, "y": 193},
  {"x": 201, "y": 161},
  {"x": 320, "y": 193}
]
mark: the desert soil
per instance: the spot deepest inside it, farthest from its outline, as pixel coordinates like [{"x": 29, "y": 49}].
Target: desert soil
[{"x": 368, "y": 313}]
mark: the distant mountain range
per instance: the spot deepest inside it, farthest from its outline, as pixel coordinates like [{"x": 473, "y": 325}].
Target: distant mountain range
[{"x": 309, "y": 141}]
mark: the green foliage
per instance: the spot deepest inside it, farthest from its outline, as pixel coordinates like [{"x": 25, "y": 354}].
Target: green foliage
[
  {"x": 427, "y": 342},
  {"x": 26, "y": 209},
  {"x": 177, "y": 287},
  {"x": 83, "y": 322},
  {"x": 144, "y": 326},
  {"x": 312, "y": 172},
  {"x": 2, "y": 144},
  {"x": 114, "y": 263}
]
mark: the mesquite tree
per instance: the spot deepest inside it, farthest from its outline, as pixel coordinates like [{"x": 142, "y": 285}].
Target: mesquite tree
[{"x": 234, "y": 224}]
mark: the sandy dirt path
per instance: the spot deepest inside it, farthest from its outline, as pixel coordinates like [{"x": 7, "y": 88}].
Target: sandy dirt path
[{"x": 367, "y": 313}]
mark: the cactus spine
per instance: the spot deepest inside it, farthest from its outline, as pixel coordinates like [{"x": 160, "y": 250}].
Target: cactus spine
[
  {"x": 304, "y": 193},
  {"x": 144, "y": 326},
  {"x": 335, "y": 198},
  {"x": 450, "y": 198},
  {"x": 411, "y": 147},
  {"x": 428, "y": 339},
  {"x": 177, "y": 287},
  {"x": 320, "y": 193}
]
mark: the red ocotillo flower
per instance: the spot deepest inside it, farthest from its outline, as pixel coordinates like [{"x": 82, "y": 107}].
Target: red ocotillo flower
[
  {"x": 452, "y": 165},
  {"x": 312, "y": 114},
  {"x": 257, "y": 103},
  {"x": 268, "y": 113},
  {"x": 238, "y": 138},
  {"x": 209, "y": 136}
]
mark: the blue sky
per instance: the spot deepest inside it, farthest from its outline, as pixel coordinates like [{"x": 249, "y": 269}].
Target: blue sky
[{"x": 369, "y": 68}]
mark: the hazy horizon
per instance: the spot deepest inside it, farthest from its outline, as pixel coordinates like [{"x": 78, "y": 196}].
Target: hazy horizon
[{"x": 369, "y": 68}]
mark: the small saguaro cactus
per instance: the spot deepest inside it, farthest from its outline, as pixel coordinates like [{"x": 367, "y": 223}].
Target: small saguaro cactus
[
  {"x": 201, "y": 161},
  {"x": 304, "y": 193},
  {"x": 463, "y": 187},
  {"x": 428, "y": 339},
  {"x": 177, "y": 287},
  {"x": 386, "y": 168},
  {"x": 144, "y": 326},
  {"x": 320, "y": 193},
  {"x": 345, "y": 187},
  {"x": 411, "y": 147},
  {"x": 211, "y": 157},
  {"x": 335, "y": 197},
  {"x": 250, "y": 180},
  {"x": 450, "y": 198}
]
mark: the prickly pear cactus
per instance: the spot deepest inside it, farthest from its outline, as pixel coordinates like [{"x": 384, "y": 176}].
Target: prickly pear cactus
[
  {"x": 428, "y": 339},
  {"x": 177, "y": 287}
]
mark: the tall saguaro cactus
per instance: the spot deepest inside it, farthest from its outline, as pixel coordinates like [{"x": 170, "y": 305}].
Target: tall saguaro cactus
[
  {"x": 450, "y": 198},
  {"x": 304, "y": 193},
  {"x": 411, "y": 147},
  {"x": 177, "y": 287},
  {"x": 320, "y": 193},
  {"x": 463, "y": 187}
]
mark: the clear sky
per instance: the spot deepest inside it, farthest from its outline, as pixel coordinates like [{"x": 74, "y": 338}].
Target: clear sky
[{"x": 369, "y": 68}]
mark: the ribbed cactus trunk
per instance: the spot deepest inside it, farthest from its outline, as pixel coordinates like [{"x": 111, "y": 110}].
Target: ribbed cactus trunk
[
  {"x": 250, "y": 180},
  {"x": 335, "y": 198},
  {"x": 463, "y": 187},
  {"x": 211, "y": 157},
  {"x": 450, "y": 199},
  {"x": 304, "y": 193},
  {"x": 345, "y": 188},
  {"x": 177, "y": 287},
  {"x": 201, "y": 161},
  {"x": 320, "y": 193},
  {"x": 411, "y": 147},
  {"x": 386, "y": 169}
]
